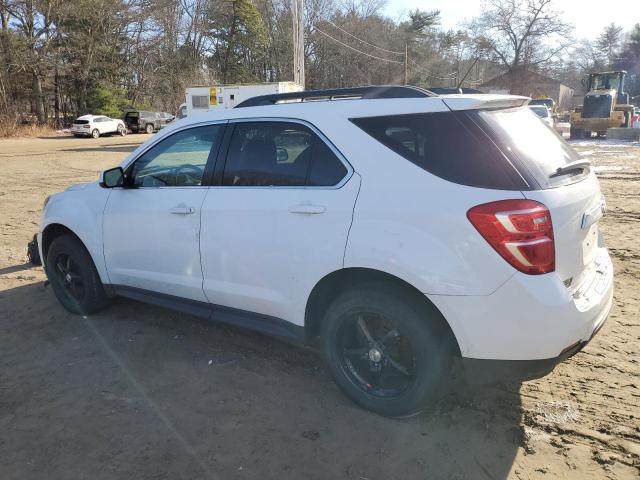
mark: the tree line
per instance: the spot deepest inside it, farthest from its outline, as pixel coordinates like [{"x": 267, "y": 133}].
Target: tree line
[{"x": 62, "y": 58}]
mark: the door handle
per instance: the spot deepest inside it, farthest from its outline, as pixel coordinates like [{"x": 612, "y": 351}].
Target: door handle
[
  {"x": 182, "y": 210},
  {"x": 307, "y": 209}
]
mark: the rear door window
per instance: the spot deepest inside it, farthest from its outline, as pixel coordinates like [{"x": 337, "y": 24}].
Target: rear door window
[
  {"x": 326, "y": 169},
  {"x": 271, "y": 154},
  {"x": 265, "y": 154},
  {"x": 447, "y": 144}
]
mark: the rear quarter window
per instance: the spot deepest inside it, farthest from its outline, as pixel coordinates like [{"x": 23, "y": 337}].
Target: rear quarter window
[
  {"x": 449, "y": 145},
  {"x": 534, "y": 148}
]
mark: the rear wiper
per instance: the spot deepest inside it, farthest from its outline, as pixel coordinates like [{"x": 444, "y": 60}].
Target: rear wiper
[{"x": 571, "y": 167}]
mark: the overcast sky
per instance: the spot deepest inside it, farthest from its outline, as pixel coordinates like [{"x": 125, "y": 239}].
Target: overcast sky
[{"x": 588, "y": 16}]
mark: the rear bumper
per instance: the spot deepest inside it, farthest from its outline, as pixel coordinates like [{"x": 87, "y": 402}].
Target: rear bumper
[
  {"x": 530, "y": 317},
  {"x": 481, "y": 371}
]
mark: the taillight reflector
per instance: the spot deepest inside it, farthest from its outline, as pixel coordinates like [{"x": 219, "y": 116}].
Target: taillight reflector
[{"x": 520, "y": 231}]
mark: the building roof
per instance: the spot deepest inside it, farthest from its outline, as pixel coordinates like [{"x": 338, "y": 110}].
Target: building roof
[{"x": 520, "y": 75}]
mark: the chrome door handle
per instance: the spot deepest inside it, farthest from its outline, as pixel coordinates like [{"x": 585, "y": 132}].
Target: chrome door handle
[
  {"x": 307, "y": 209},
  {"x": 182, "y": 210}
]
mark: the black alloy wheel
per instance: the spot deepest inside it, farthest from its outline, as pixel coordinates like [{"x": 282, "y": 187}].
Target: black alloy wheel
[
  {"x": 69, "y": 276},
  {"x": 387, "y": 348},
  {"x": 376, "y": 357},
  {"x": 73, "y": 276}
]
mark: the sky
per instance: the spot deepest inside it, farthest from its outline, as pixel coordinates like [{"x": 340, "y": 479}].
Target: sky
[{"x": 588, "y": 16}]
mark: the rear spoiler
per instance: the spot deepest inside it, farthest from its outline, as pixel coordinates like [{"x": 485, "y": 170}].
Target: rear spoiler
[{"x": 484, "y": 102}]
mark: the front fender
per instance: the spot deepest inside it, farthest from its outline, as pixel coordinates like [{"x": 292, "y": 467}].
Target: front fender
[{"x": 79, "y": 209}]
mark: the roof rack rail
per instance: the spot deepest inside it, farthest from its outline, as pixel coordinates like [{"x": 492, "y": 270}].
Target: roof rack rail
[
  {"x": 379, "y": 91},
  {"x": 452, "y": 90}
]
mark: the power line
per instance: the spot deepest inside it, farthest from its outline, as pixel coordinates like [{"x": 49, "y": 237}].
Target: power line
[
  {"x": 355, "y": 49},
  {"x": 363, "y": 41},
  {"x": 422, "y": 69}
]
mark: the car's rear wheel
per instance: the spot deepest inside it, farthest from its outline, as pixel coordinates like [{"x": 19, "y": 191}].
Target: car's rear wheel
[
  {"x": 73, "y": 276},
  {"x": 386, "y": 350},
  {"x": 95, "y": 133},
  {"x": 149, "y": 128}
]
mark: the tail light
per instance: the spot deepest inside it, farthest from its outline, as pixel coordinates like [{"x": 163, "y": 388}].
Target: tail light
[
  {"x": 86, "y": 126},
  {"x": 520, "y": 231}
]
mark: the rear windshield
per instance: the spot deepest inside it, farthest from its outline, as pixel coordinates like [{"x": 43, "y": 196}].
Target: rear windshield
[
  {"x": 536, "y": 150},
  {"x": 77, "y": 121},
  {"x": 509, "y": 149},
  {"x": 450, "y": 145},
  {"x": 131, "y": 115}
]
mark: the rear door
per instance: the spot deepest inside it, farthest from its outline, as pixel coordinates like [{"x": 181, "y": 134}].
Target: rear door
[
  {"x": 277, "y": 221},
  {"x": 101, "y": 124}
]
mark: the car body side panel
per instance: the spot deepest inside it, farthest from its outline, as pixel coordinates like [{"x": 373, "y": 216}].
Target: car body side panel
[
  {"x": 80, "y": 209},
  {"x": 412, "y": 224}
]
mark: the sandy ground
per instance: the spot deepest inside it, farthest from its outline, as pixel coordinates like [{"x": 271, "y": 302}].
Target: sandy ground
[{"x": 145, "y": 393}]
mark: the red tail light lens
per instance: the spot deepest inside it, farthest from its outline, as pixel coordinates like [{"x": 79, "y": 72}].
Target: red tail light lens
[
  {"x": 86, "y": 126},
  {"x": 520, "y": 231}
]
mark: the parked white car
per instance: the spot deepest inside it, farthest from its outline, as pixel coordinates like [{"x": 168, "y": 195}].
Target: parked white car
[
  {"x": 405, "y": 230},
  {"x": 96, "y": 125},
  {"x": 544, "y": 113}
]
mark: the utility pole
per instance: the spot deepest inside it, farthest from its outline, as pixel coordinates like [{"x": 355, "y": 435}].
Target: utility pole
[
  {"x": 297, "y": 14},
  {"x": 406, "y": 63}
]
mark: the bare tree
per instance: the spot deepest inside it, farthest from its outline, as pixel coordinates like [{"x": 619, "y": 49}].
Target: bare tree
[{"x": 520, "y": 33}]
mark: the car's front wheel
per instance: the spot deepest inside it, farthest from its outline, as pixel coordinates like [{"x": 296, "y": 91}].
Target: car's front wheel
[
  {"x": 73, "y": 276},
  {"x": 121, "y": 130},
  {"x": 386, "y": 350}
]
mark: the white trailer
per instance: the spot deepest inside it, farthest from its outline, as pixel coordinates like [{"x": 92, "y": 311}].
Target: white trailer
[{"x": 204, "y": 98}]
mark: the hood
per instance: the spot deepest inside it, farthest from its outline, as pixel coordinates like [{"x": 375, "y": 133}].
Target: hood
[{"x": 81, "y": 186}]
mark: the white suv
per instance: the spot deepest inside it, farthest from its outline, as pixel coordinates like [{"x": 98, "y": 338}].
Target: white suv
[
  {"x": 406, "y": 230},
  {"x": 96, "y": 125}
]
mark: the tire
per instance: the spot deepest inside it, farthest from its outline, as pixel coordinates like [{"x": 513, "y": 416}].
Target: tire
[
  {"x": 95, "y": 133},
  {"x": 73, "y": 276},
  {"x": 122, "y": 131},
  {"x": 149, "y": 128},
  {"x": 422, "y": 348},
  {"x": 575, "y": 133}
]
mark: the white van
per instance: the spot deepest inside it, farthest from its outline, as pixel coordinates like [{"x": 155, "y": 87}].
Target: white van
[{"x": 205, "y": 98}]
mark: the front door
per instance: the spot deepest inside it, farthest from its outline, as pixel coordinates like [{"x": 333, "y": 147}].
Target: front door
[
  {"x": 279, "y": 220},
  {"x": 152, "y": 225}
]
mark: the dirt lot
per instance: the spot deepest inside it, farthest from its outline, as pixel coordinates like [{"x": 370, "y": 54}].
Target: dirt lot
[{"x": 139, "y": 392}]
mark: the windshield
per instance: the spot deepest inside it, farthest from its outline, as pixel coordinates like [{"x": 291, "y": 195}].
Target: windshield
[
  {"x": 606, "y": 81},
  {"x": 531, "y": 145},
  {"x": 542, "y": 112}
]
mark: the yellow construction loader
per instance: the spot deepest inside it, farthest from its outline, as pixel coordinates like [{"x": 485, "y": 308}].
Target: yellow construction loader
[{"x": 606, "y": 105}]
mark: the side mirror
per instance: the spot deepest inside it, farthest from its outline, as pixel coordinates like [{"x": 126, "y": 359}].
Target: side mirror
[{"x": 114, "y": 177}]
